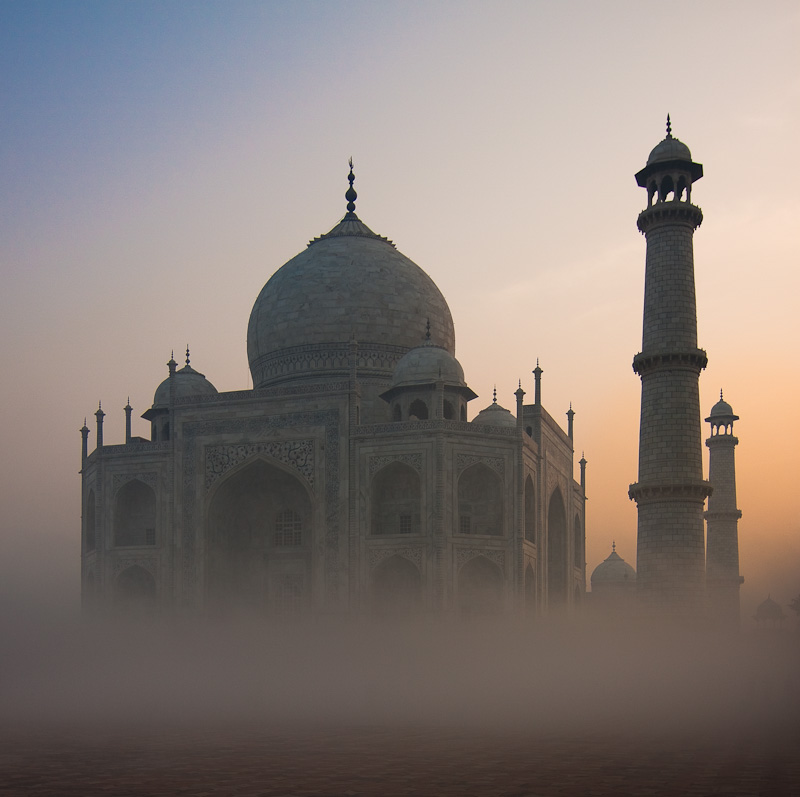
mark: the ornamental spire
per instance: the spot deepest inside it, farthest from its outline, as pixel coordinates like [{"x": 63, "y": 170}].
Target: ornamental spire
[
  {"x": 351, "y": 194},
  {"x": 187, "y": 354},
  {"x": 669, "y": 127}
]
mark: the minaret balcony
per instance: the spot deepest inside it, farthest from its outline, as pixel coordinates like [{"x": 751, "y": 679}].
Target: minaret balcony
[
  {"x": 692, "y": 360},
  {"x": 670, "y": 212},
  {"x": 644, "y": 493}
]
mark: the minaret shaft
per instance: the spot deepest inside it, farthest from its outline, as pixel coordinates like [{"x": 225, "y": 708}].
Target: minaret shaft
[{"x": 670, "y": 493}]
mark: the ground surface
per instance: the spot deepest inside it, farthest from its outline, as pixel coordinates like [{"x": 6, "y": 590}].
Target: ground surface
[{"x": 247, "y": 760}]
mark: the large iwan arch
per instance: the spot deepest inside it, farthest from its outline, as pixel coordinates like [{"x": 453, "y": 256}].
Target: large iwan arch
[{"x": 259, "y": 540}]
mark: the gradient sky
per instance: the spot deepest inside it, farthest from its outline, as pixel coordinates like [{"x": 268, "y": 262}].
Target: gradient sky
[{"x": 160, "y": 160}]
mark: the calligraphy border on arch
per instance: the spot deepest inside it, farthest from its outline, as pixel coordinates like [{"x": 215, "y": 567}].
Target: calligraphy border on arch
[
  {"x": 463, "y": 461},
  {"x": 297, "y": 454}
]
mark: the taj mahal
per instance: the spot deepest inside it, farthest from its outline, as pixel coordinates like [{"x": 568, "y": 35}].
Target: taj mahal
[{"x": 357, "y": 476}]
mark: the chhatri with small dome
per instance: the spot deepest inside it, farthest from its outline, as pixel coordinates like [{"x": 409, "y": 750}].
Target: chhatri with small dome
[{"x": 350, "y": 478}]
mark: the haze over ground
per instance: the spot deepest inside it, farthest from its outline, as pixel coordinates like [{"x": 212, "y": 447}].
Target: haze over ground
[{"x": 160, "y": 161}]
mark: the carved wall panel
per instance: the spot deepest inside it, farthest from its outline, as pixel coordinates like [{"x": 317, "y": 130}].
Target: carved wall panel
[{"x": 297, "y": 454}]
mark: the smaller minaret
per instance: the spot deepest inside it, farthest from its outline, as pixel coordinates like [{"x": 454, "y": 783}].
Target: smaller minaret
[
  {"x": 84, "y": 430},
  {"x": 570, "y": 419},
  {"x": 537, "y": 393},
  {"x": 722, "y": 517},
  {"x": 582, "y": 463},
  {"x": 128, "y": 410},
  {"x": 520, "y": 394},
  {"x": 99, "y": 415}
]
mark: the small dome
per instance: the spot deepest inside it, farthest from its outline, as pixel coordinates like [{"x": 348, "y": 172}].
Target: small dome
[
  {"x": 769, "y": 610},
  {"x": 722, "y": 411},
  {"x": 495, "y": 415},
  {"x": 188, "y": 382},
  {"x": 670, "y": 149},
  {"x": 614, "y": 570},
  {"x": 426, "y": 364}
]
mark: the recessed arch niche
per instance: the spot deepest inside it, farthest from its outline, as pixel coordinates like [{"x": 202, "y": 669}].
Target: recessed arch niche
[
  {"x": 135, "y": 515},
  {"x": 396, "y": 587},
  {"x": 556, "y": 550}
]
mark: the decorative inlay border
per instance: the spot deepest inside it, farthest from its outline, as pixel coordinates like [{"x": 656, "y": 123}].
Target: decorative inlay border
[
  {"x": 262, "y": 427},
  {"x": 297, "y": 454},
  {"x": 381, "y": 460},
  {"x": 413, "y": 553},
  {"x": 150, "y": 478},
  {"x": 463, "y": 461},
  {"x": 463, "y": 555},
  {"x": 148, "y": 563}
]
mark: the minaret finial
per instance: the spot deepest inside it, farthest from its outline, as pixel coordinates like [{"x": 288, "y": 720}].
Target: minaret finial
[
  {"x": 669, "y": 127},
  {"x": 613, "y": 547},
  {"x": 351, "y": 194},
  {"x": 494, "y": 399},
  {"x": 720, "y": 394},
  {"x": 187, "y": 354}
]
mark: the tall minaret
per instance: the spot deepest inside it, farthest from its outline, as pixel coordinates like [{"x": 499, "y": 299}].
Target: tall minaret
[
  {"x": 722, "y": 557},
  {"x": 670, "y": 493}
]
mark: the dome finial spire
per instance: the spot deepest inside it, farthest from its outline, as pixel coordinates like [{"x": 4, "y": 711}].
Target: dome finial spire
[
  {"x": 187, "y": 354},
  {"x": 720, "y": 394},
  {"x": 494, "y": 395},
  {"x": 669, "y": 127},
  {"x": 614, "y": 547},
  {"x": 351, "y": 194}
]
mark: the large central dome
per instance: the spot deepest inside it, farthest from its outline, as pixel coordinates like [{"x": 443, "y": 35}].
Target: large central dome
[{"x": 348, "y": 284}]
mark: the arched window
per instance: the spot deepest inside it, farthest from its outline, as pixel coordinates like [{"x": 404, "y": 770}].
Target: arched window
[
  {"x": 165, "y": 431},
  {"x": 556, "y": 550},
  {"x": 578, "y": 540},
  {"x": 480, "y": 587},
  {"x": 464, "y": 414},
  {"x": 135, "y": 515},
  {"x": 259, "y": 540},
  {"x": 419, "y": 410},
  {"x": 90, "y": 520},
  {"x": 448, "y": 411},
  {"x": 530, "y": 511},
  {"x": 396, "y": 500},
  {"x": 397, "y": 413},
  {"x": 480, "y": 501},
  {"x": 396, "y": 586},
  {"x": 288, "y": 529}
]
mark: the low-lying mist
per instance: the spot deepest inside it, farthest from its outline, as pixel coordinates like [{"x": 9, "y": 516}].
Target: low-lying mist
[{"x": 492, "y": 673}]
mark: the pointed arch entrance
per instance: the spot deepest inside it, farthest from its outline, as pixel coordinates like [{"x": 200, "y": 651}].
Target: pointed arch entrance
[{"x": 259, "y": 541}]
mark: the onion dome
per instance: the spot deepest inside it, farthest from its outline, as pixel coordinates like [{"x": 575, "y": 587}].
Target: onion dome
[
  {"x": 613, "y": 571},
  {"x": 495, "y": 415},
  {"x": 769, "y": 611},
  {"x": 349, "y": 284},
  {"x": 187, "y": 383},
  {"x": 668, "y": 154}
]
